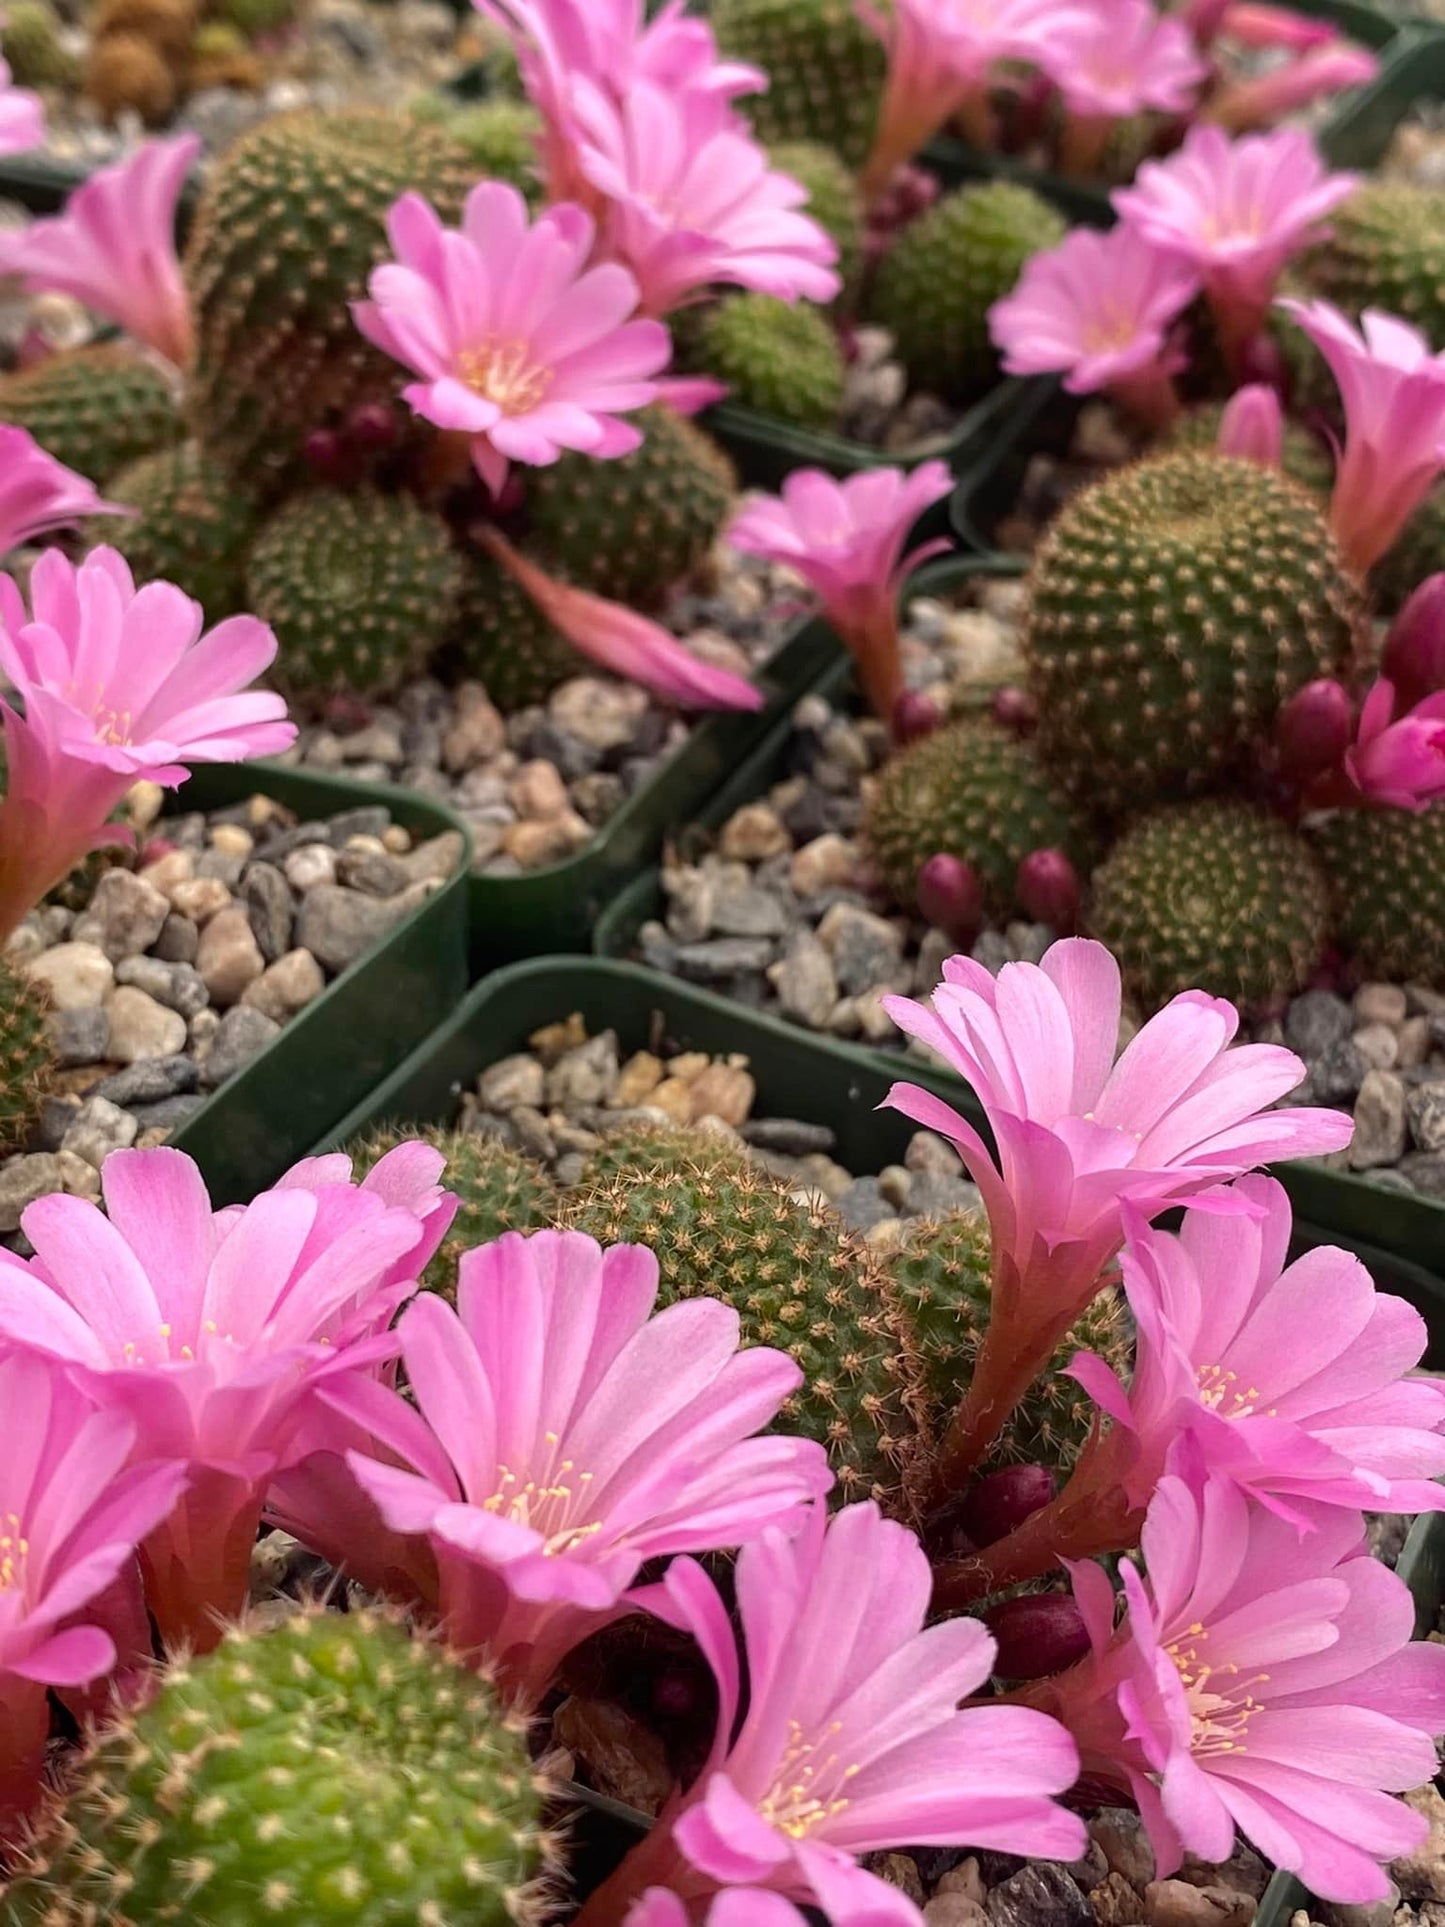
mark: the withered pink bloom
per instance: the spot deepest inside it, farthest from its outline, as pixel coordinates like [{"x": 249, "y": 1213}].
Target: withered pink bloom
[
  {"x": 1097, "y": 309},
  {"x": 73, "y": 1508},
  {"x": 520, "y": 344},
  {"x": 1079, "y": 1136},
  {"x": 691, "y": 204},
  {"x": 1393, "y": 391},
  {"x": 38, "y": 494},
  {"x": 853, "y": 1740},
  {"x": 1264, "y": 1679},
  {"x": 1236, "y": 211},
  {"x": 114, "y": 246},
  {"x": 22, "y": 116},
  {"x": 118, "y": 683},
  {"x": 1252, "y": 425},
  {"x": 846, "y": 539},
  {"x": 621, "y": 640},
  {"x": 569, "y": 1436},
  {"x": 209, "y": 1331},
  {"x": 1397, "y": 759},
  {"x": 1315, "y": 75}
]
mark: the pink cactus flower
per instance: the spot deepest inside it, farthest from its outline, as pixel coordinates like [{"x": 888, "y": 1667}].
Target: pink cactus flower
[
  {"x": 1252, "y": 426},
  {"x": 691, "y": 203},
  {"x": 1113, "y": 62},
  {"x": 73, "y": 1508},
  {"x": 1251, "y": 24},
  {"x": 114, "y": 246},
  {"x": 621, "y": 640},
  {"x": 1236, "y": 211},
  {"x": 209, "y": 1331},
  {"x": 22, "y": 116},
  {"x": 613, "y": 45},
  {"x": 1316, "y": 75},
  {"x": 737, "y": 1907},
  {"x": 521, "y": 346},
  {"x": 1078, "y": 1136},
  {"x": 941, "y": 54},
  {"x": 853, "y": 1740},
  {"x": 1393, "y": 391},
  {"x": 570, "y": 1436},
  {"x": 38, "y": 494},
  {"x": 846, "y": 539},
  {"x": 118, "y": 684},
  {"x": 1098, "y": 309},
  {"x": 1397, "y": 761},
  {"x": 1264, "y": 1679}
]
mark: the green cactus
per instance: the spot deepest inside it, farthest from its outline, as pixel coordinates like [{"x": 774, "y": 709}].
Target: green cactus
[
  {"x": 1304, "y": 457},
  {"x": 255, "y": 17},
  {"x": 1172, "y": 608},
  {"x": 193, "y": 527},
  {"x": 360, "y": 589},
  {"x": 1419, "y": 551},
  {"x": 780, "y": 357},
  {"x": 825, "y": 70},
  {"x": 942, "y": 1270},
  {"x": 835, "y": 200},
  {"x": 501, "y": 638},
  {"x": 945, "y": 271},
  {"x": 33, "y": 42},
  {"x": 500, "y": 135},
  {"x": 27, "y": 1060},
  {"x": 799, "y": 1279},
  {"x": 632, "y": 529},
  {"x": 1386, "y": 870},
  {"x": 96, "y": 409},
  {"x": 289, "y": 227},
  {"x": 331, "y": 1770},
  {"x": 499, "y": 1189},
  {"x": 1214, "y": 895},
  {"x": 975, "y": 791},
  {"x": 1386, "y": 249}
]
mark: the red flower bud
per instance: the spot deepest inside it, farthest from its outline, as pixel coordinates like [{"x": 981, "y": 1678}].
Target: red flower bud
[
  {"x": 1002, "y": 1500},
  {"x": 372, "y": 425},
  {"x": 914, "y": 716},
  {"x": 1313, "y": 730},
  {"x": 1015, "y": 709},
  {"x": 1040, "y": 1633},
  {"x": 950, "y": 896},
  {"x": 325, "y": 453},
  {"x": 1047, "y": 888},
  {"x": 1414, "y": 658}
]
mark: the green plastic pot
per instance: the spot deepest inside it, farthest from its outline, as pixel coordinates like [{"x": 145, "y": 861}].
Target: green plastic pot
[{"x": 272, "y": 1111}]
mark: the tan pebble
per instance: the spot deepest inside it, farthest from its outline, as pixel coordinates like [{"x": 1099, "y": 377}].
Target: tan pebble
[
  {"x": 231, "y": 840},
  {"x": 885, "y": 1236},
  {"x": 261, "y": 810},
  {"x": 360, "y": 845},
  {"x": 286, "y": 986},
  {"x": 1414, "y": 1042},
  {"x": 1116, "y": 1903},
  {"x": 953, "y": 1910},
  {"x": 873, "y": 1020},
  {"x": 1378, "y": 1046},
  {"x": 636, "y": 1081},
  {"x": 143, "y": 802},
  {"x": 395, "y": 840},
  {"x": 673, "y": 1097},
  {"x": 725, "y": 1091},
  {"x": 827, "y": 863},
  {"x": 1380, "y": 1004},
  {"x": 966, "y": 1879},
  {"x": 141, "y": 1028},
  {"x": 687, "y": 1065},
  {"x": 754, "y": 833},
  {"x": 537, "y": 790},
  {"x": 718, "y": 1129},
  {"x": 555, "y": 1040},
  {"x": 78, "y": 1175},
  {"x": 151, "y": 1136},
  {"x": 79, "y": 976},
  {"x": 228, "y": 956},
  {"x": 1175, "y": 1903},
  {"x": 537, "y": 843},
  {"x": 199, "y": 898},
  {"x": 176, "y": 866}
]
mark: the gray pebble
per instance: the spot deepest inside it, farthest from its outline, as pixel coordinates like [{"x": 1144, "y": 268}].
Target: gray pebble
[
  {"x": 586, "y": 1075},
  {"x": 1424, "y": 1171},
  {"x": 1315, "y": 1021},
  {"x": 866, "y": 950},
  {"x": 721, "y": 958},
  {"x": 56, "y": 1116},
  {"x": 1380, "y": 1130},
  {"x": 178, "y": 986},
  {"x": 242, "y": 1032},
  {"x": 789, "y": 1136},
  {"x": 169, "y": 1114},
  {"x": 1337, "y": 1073},
  {"x": 863, "y": 1204},
  {"x": 746, "y": 911},
  {"x": 124, "y": 917},
  {"x": 937, "y": 1196},
  {"x": 337, "y": 926},
  {"x": 23, "y": 1180},
  {"x": 511, "y": 1081},
  {"x": 1425, "y": 1108},
  {"x": 1038, "y": 1895},
  {"x": 267, "y": 897},
  {"x": 993, "y": 950},
  {"x": 371, "y": 871},
  {"x": 78, "y": 1036},
  {"x": 805, "y": 981},
  {"x": 369, "y": 819},
  {"x": 98, "y": 1128},
  {"x": 178, "y": 941},
  {"x": 149, "y": 1081}
]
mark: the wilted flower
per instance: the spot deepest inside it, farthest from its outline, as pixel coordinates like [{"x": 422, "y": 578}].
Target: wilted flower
[{"x": 38, "y": 494}]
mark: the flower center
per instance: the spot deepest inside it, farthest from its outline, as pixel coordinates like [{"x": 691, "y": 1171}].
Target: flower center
[
  {"x": 1222, "y": 1392},
  {"x": 134, "y": 1354},
  {"x": 1111, "y": 325},
  {"x": 14, "y": 1553},
  {"x": 504, "y": 372},
  {"x": 112, "y": 726},
  {"x": 806, "y": 1794},
  {"x": 548, "y": 1504},
  {"x": 1219, "y": 1719}
]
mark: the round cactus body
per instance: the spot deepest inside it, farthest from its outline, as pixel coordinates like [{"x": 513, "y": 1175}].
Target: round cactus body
[
  {"x": 95, "y": 409},
  {"x": 825, "y": 70},
  {"x": 329, "y": 1772},
  {"x": 127, "y": 73},
  {"x": 1214, "y": 895},
  {"x": 502, "y": 640},
  {"x": 800, "y": 1281},
  {"x": 971, "y": 790},
  {"x": 1304, "y": 457},
  {"x": 1172, "y": 608},
  {"x": 32, "y": 41},
  {"x": 360, "y": 589},
  {"x": 291, "y": 223},
  {"x": 779, "y": 357},
  {"x": 27, "y": 1059},
  {"x": 500, "y": 135},
  {"x": 1386, "y": 250},
  {"x": 633, "y": 528},
  {"x": 834, "y": 198},
  {"x": 1386, "y": 870},
  {"x": 193, "y": 526},
  {"x": 944, "y": 273}
]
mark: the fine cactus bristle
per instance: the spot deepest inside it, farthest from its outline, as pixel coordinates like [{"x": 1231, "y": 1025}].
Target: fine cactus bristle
[
  {"x": 1386, "y": 870},
  {"x": 332, "y": 1768},
  {"x": 779, "y": 357},
  {"x": 499, "y": 1189},
  {"x": 1171, "y": 609},
  {"x": 193, "y": 526},
  {"x": 942, "y": 1271},
  {"x": 27, "y": 1057},
  {"x": 290, "y": 225},
  {"x": 799, "y": 1280},
  {"x": 96, "y": 409},
  {"x": 971, "y": 790},
  {"x": 944, "y": 272},
  {"x": 1214, "y": 895},
  {"x": 632, "y": 529},
  {"x": 360, "y": 589},
  {"x": 825, "y": 70}
]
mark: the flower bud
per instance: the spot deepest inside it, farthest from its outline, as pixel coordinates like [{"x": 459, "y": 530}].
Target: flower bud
[
  {"x": 1313, "y": 730},
  {"x": 325, "y": 453},
  {"x": 1038, "y": 1634},
  {"x": 1252, "y": 425},
  {"x": 1003, "y": 1500},
  {"x": 1015, "y": 709},
  {"x": 950, "y": 896},
  {"x": 372, "y": 425},
  {"x": 1047, "y": 888},
  {"x": 914, "y": 716},
  {"x": 1414, "y": 658}
]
